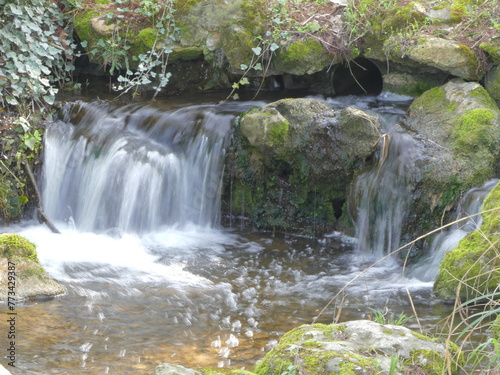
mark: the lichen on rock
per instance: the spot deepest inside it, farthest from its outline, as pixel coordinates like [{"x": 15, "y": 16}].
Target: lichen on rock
[
  {"x": 355, "y": 347},
  {"x": 31, "y": 280}
]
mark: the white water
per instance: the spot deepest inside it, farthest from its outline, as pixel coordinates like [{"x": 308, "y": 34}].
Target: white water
[
  {"x": 135, "y": 169},
  {"x": 470, "y": 205}
]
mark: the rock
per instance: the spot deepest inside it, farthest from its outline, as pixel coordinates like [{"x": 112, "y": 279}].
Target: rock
[
  {"x": 304, "y": 57},
  {"x": 453, "y": 58},
  {"x": 168, "y": 369},
  {"x": 31, "y": 280},
  {"x": 293, "y": 160},
  {"x": 457, "y": 126},
  {"x": 473, "y": 265},
  {"x": 357, "y": 347},
  {"x": 492, "y": 82}
]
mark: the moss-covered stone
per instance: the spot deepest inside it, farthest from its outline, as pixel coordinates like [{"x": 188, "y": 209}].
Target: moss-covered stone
[
  {"x": 30, "y": 280},
  {"x": 354, "y": 347},
  {"x": 492, "y": 82},
  {"x": 294, "y": 159},
  {"x": 304, "y": 57},
  {"x": 472, "y": 268},
  {"x": 459, "y": 125},
  {"x": 17, "y": 248}
]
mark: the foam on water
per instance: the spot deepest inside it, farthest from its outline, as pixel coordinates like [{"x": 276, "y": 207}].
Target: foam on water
[{"x": 75, "y": 256}]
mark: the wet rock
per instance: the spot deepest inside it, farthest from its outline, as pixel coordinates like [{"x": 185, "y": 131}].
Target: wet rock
[
  {"x": 361, "y": 347},
  {"x": 31, "y": 280},
  {"x": 457, "y": 127},
  {"x": 293, "y": 160},
  {"x": 473, "y": 264}
]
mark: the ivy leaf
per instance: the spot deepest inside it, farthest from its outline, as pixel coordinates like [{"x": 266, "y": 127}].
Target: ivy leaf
[
  {"x": 273, "y": 47},
  {"x": 243, "y": 67},
  {"x": 244, "y": 81},
  {"x": 257, "y": 50}
]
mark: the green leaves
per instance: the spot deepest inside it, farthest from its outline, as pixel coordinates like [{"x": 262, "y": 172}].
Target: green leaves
[{"x": 33, "y": 46}]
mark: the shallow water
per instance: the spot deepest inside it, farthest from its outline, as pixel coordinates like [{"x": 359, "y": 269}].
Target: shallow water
[{"x": 195, "y": 297}]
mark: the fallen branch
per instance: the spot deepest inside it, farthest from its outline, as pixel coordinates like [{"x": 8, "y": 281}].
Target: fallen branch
[{"x": 41, "y": 215}]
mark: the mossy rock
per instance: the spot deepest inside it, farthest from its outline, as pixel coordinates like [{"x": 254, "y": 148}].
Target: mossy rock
[
  {"x": 456, "y": 59},
  {"x": 472, "y": 268},
  {"x": 293, "y": 161},
  {"x": 31, "y": 280},
  {"x": 492, "y": 49},
  {"x": 492, "y": 82},
  {"x": 304, "y": 57},
  {"x": 458, "y": 127},
  {"x": 354, "y": 347}
]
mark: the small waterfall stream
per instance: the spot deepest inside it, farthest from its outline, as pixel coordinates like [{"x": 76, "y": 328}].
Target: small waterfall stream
[
  {"x": 150, "y": 275},
  {"x": 135, "y": 168}
]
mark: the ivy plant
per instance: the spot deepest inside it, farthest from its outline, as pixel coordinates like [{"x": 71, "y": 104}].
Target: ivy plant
[{"x": 34, "y": 49}]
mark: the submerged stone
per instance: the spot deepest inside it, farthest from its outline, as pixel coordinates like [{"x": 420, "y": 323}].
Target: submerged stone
[
  {"x": 471, "y": 269},
  {"x": 353, "y": 347},
  {"x": 30, "y": 280}
]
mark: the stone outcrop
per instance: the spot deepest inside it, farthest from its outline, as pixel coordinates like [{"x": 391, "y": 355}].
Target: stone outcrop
[
  {"x": 219, "y": 40},
  {"x": 471, "y": 269},
  {"x": 31, "y": 280},
  {"x": 293, "y": 160}
]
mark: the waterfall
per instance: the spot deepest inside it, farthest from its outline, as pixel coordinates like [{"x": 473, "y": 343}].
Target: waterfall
[
  {"x": 134, "y": 168},
  {"x": 383, "y": 195},
  {"x": 470, "y": 204}
]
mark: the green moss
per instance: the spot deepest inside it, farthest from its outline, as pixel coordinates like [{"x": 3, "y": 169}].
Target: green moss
[
  {"x": 278, "y": 133},
  {"x": 13, "y": 246},
  {"x": 83, "y": 27},
  {"x": 473, "y": 131},
  {"x": 492, "y": 49},
  {"x": 303, "y": 57}
]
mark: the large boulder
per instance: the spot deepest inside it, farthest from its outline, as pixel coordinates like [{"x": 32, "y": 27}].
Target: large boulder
[
  {"x": 471, "y": 269},
  {"x": 457, "y": 127},
  {"x": 453, "y": 58},
  {"x": 356, "y": 347},
  {"x": 292, "y": 161},
  {"x": 28, "y": 279}
]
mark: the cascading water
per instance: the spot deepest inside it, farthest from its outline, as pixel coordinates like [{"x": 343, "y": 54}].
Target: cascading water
[
  {"x": 469, "y": 207},
  {"x": 384, "y": 197},
  {"x": 136, "y": 168}
]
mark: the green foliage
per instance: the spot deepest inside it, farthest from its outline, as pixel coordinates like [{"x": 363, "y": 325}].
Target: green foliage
[
  {"x": 34, "y": 49},
  {"x": 386, "y": 318},
  {"x": 124, "y": 52}
]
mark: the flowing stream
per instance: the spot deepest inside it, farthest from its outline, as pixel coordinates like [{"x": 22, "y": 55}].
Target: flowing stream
[{"x": 152, "y": 277}]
